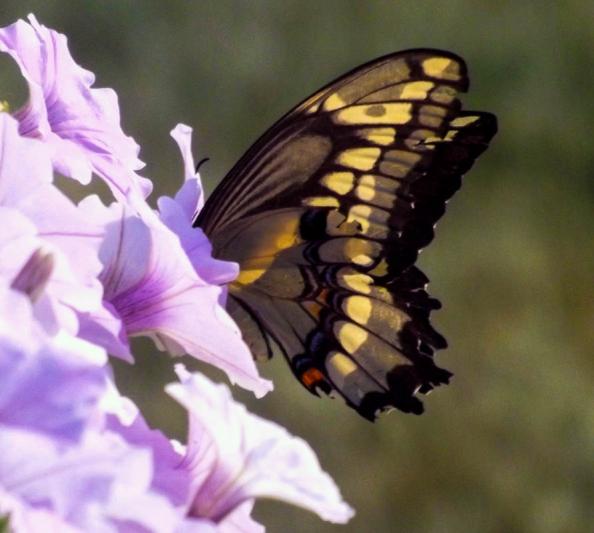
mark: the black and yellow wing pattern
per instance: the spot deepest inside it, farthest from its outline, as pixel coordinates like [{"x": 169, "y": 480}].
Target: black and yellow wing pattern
[{"x": 326, "y": 214}]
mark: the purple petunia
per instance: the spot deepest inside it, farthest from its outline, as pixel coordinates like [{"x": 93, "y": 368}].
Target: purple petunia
[
  {"x": 77, "y": 281},
  {"x": 79, "y": 124},
  {"x": 235, "y": 457}
]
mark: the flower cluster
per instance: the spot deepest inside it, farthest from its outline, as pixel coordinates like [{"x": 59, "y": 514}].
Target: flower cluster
[{"x": 76, "y": 282}]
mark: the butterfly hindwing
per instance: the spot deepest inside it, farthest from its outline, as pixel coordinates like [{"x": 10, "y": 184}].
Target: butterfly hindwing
[{"x": 326, "y": 214}]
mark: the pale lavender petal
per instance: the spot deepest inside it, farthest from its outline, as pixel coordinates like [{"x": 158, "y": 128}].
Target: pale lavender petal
[
  {"x": 104, "y": 328},
  {"x": 49, "y": 384},
  {"x": 178, "y": 215},
  {"x": 236, "y": 456},
  {"x": 25, "y": 184},
  {"x": 53, "y": 390},
  {"x": 169, "y": 479},
  {"x": 97, "y": 485},
  {"x": 240, "y": 520},
  {"x": 26, "y": 518},
  {"x": 25, "y": 164},
  {"x": 195, "y": 244},
  {"x": 65, "y": 292},
  {"x": 36, "y": 215},
  {"x": 237, "y": 521},
  {"x": 80, "y": 125},
  {"x": 191, "y": 196},
  {"x": 116, "y": 407},
  {"x": 150, "y": 282}
]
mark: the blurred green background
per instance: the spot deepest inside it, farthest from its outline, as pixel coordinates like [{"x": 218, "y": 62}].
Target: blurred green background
[{"x": 509, "y": 446}]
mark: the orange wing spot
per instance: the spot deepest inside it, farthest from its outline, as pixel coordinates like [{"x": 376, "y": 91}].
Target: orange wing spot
[
  {"x": 322, "y": 297},
  {"x": 313, "y": 308},
  {"x": 311, "y": 377}
]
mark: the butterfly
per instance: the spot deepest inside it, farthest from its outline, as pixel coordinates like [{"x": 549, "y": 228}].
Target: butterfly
[{"x": 326, "y": 214}]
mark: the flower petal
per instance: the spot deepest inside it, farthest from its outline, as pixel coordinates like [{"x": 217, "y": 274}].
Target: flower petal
[
  {"x": 49, "y": 384},
  {"x": 191, "y": 196},
  {"x": 80, "y": 125},
  {"x": 150, "y": 282},
  {"x": 94, "y": 485},
  {"x": 236, "y": 456}
]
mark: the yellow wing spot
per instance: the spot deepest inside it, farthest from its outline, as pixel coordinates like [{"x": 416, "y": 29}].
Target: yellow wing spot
[
  {"x": 356, "y": 281},
  {"x": 282, "y": 235},
  {"x": 442, "y": 67},
  {"x": 379, "y": 183},
  {"x": 358, "y": 308},
  {"x": 321, "y": 201},
  {"x": 334, "y": 101},
  {"x": 370, "y": 190},
  {"x": 416, "y": 90},
  {"x": 349, "y": 250},
  {"x": 382, "y": 136},
  {"x": 4, "y": 106},
  {"x": 339, "y": 182},
  {"x": 360, "y": 213},
  {"x": 350, "y": 336},
  {"x": 391, "y": 113},
  {"x": 311, "y": 109},
  {"x": 366, "y": 188},
  {"x": 373, "y": 220},
  {"x": 339, "y": 366},
  {"x": 461, "y": 122},
  {"x": 336, "y": 224},
  {"x": 359, "y": 158},
  {"x": 362, "y": 252},
  {"x": 247, "y": 277}
]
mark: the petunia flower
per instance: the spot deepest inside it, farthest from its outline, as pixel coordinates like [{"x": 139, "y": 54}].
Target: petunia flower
[
  {"x": 235, "y": 457},
  {"x": 35, "y": 216},
  {"x": 80, "y": 124},
  {"x": 99, "y": 484},
  {"x": 153, "y": 287},
  {"x": 178, "y": 213},
  {"x": 62, "y": 464},
  {"x": 51, "y": 384},
  {"x": 169, "y": 478}
]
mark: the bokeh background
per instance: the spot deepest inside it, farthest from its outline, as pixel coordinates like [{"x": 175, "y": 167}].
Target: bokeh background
[{"x": 509, "y": 446}]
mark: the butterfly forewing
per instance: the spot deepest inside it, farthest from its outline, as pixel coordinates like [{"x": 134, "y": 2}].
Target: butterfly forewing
[{"x": 326, "y": 214}]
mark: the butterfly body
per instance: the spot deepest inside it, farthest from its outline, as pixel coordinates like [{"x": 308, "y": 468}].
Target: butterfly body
[{"x": 326, "y": 214}]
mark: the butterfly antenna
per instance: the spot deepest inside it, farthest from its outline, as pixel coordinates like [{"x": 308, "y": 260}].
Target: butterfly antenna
[{"x": 201, "y": 162}]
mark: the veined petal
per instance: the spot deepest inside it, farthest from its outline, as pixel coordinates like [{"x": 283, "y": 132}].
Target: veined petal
[
  {"x": 80, "y": 125},
  {"x": 236, "y": 457},
  {"x": 152, "y": 285}
]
